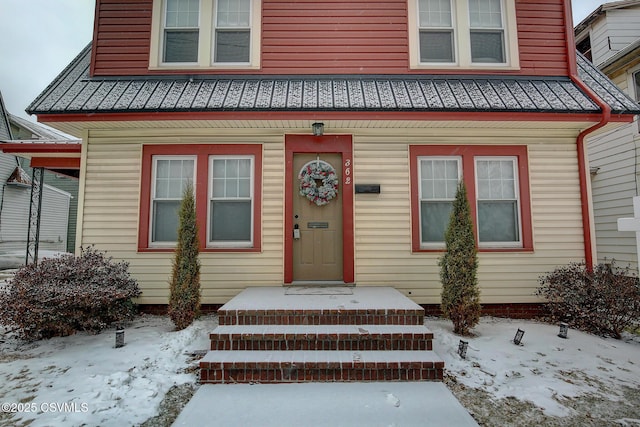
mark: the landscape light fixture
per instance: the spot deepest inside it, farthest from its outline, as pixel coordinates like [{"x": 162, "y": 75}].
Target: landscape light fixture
[
  {"x": 518, "y": 337},
  {"x": 317, "y": 128},
  {"x": 462, "y": 349},
  {"x": 119, "y": 337},
  {"x": 564, "y": 329}
]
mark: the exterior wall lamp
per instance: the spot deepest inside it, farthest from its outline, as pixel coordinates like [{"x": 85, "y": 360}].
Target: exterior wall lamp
[{"x": 317, "y": 128}]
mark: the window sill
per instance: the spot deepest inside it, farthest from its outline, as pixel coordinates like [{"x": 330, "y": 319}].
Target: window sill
[
  {"x": 480, "y": 250},
  {"x": 438, "y": 66},
  {"x": 200, "y": 68},
  {"x": 201, "y": 250}
]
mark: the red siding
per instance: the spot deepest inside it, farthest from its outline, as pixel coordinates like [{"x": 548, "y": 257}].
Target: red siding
[
  {"x": 327, "y": 37},
  {"x": 121, "y": 37}
]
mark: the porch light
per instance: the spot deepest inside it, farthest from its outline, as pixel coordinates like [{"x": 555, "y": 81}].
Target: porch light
[
  {"x": 462, "y": 349},
  {"x": 564, "y": 329},
  {"x": 317, "y": 128},
  {"x": 518, "y": 337}
]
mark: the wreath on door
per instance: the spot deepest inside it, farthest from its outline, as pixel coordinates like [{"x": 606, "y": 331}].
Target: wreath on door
[{"x": 318, "y": 182}]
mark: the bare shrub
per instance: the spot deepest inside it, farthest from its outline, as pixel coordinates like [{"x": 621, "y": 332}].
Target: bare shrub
[
  {"x": 603, "y": 301},
  {"x": 60, "y": 296}
]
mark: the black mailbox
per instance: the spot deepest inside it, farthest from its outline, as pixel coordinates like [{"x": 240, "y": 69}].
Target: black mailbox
[{"x": 367, "y": 188}]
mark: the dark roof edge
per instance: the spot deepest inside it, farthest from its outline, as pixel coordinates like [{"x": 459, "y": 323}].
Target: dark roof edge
[{"x": 59, "y": 78}]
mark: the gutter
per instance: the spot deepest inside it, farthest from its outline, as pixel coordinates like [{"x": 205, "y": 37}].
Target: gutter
[{"x": 583, "y": 169}]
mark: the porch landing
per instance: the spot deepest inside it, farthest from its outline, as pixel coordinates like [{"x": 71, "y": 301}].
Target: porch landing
[{"x": 320, "y": 298}]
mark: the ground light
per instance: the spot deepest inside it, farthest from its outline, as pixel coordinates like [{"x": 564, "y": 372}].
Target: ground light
[
  {"x": 518, "y": 337},
  {"x": 564, "y": 329},
  {"x": 462, "y": 349}
]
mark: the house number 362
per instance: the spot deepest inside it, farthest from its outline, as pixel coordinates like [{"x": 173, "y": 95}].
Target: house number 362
[{"x": 347, "y": 172}]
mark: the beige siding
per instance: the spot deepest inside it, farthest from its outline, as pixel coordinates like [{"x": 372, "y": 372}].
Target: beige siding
[
  {"x": 383, "y": 236},
  {"x": 382, "y": 222}
]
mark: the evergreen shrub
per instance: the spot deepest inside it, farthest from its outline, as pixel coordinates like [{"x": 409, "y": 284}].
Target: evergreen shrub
[
  {"x": 184, "y": 298},
  {"x": 458, "y": 268}
]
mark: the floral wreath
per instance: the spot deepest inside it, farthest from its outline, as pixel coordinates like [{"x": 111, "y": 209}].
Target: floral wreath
[{"x": 314, "y": 171}]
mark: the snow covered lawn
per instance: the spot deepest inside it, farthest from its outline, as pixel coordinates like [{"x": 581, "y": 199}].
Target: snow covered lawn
[{"x": 84, "y": 380}]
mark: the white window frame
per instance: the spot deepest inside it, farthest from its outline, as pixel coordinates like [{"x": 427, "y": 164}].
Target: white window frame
[
  {"x": 458, "y": 159},
  {"x": 214, "y": 36},
  {"x": 154, "y": 169},
  {"x": 210, "y": 198},
  {"x": 516, "y": 183},
  {"x": 205, "y": 41},
  {"x": 462, "y": 38}
]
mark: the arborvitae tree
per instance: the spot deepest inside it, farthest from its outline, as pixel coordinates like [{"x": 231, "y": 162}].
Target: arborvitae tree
[
  {"x": 184, "y": 301},
  {"x": 458, "y": 266}
]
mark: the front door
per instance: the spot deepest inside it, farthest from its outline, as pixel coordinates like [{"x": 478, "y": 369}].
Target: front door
[{"x": 317, "y": 217}]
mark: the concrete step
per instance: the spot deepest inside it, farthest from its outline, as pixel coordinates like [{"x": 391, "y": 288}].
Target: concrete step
[
  {"x": 321, "y": 337},
  {"x": 237, "y": 366}
]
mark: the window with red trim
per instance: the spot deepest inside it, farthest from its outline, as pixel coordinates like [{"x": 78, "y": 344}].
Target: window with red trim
[
  {"x": 227, "y": 182},
  {"x": 497, "y": 181}
]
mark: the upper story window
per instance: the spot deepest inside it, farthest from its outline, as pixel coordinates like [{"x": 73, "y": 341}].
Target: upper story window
[
  {"x": 463, "y": 34},
  {"x": 636, "y": 85},
  {"x": 205, "y": 34},
  {"x": 233, "y": 31},
  {"x": 181, "y": 31}
]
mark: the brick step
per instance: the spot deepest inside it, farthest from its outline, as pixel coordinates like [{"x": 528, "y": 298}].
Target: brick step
[
  {"x": 321, "y": 337},
  {"x": 319, "y": 366},
  {"x": 387, "y": 316}
]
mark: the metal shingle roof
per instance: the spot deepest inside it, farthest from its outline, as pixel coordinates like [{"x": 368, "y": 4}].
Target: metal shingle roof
[{"x": 73, "y": 91}]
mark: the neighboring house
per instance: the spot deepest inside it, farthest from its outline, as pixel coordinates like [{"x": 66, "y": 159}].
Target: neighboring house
[
  {"x": 610, "y": 38},
  {"x": 62, "y": 179},
  {"x": 15, "y": 201},
  {"x": 399, "y": 99}
]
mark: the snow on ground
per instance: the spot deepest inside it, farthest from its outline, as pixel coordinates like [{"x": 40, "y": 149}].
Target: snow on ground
[
  {"x": 102, "y": 385},
  {"x": 545, "y": 369}
]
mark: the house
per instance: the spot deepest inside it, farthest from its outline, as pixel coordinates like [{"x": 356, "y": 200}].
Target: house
[
  {"x": 326, "y": 139},
  {"x": 610, "y": 38},
  {"x": 15, "y": 202}
]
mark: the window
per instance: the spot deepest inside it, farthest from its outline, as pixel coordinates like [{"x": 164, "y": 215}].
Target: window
[
  {"x": 436, "y": 31},
  {"x": 439, "y": 179},
  {"x": 486, "y": 31},
  {"x": 170, "y": 177},
  {"x": 584, "y": 47},
  {"x": 497, "y": 185},
  {"x": 233, "y": 31},
  {"x": 231, "y": 201},
  {"x": 497, "y": 201},
  {"x": 181, "y": 31},
  {"x": 227, "y": 180},
  {"x": 463, "y": 34},
  {"x": 205, "y": 34},
  {"x": 636, "y": 85}
]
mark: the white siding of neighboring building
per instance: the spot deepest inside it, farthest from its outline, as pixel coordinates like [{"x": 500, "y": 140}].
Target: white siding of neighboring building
[
  {"x": 15, "y": 216},
  {"x": 383, "y": 255},
  {"x": 617, "y": 30},
  {"x": 616, "y": 154}
]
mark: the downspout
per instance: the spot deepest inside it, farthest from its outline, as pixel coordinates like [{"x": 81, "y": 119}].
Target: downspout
[{"x": 583, "y": 170}]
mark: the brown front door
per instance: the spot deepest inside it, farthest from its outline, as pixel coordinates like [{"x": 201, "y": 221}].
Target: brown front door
[{"x": 317, "y": 245}]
